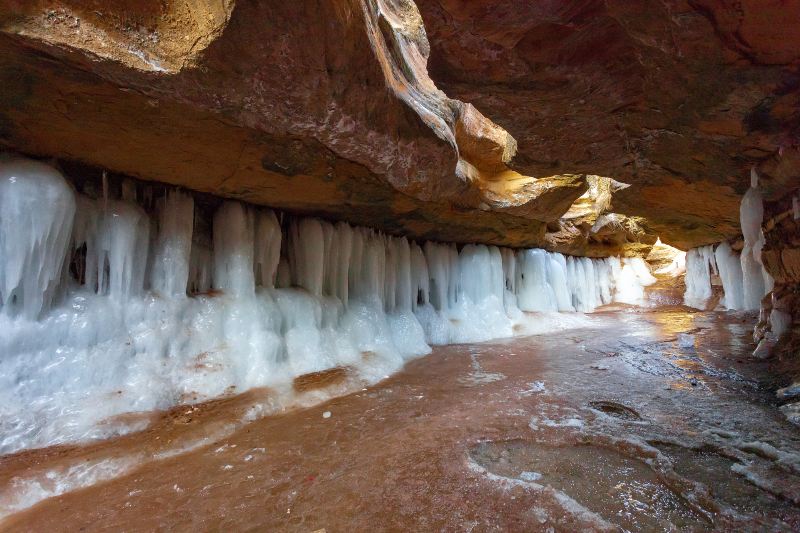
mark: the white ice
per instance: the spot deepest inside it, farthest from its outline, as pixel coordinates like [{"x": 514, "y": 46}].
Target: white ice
[
  {"x": 730, "y": 272},
  {"x": 744, "y": 279},
  {"x": 756, "y": 281},
  {"x": 700, "y": 264},
  {"x": 107, "y": 307}
]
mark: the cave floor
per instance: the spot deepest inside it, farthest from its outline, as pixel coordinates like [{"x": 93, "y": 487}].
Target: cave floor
[{"x": 653, "y": 419}]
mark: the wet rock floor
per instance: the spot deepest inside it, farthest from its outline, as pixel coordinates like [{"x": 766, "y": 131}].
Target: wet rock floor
[{"x": 652, "y": 420}]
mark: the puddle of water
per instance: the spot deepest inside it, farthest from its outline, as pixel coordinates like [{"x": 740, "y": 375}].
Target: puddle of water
[
  {"x": 623, "y": 490},
  {"x": 615, "y": 409}
]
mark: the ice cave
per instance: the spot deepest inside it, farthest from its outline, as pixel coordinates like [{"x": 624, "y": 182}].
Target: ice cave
[{"x": 408, "y": 265}]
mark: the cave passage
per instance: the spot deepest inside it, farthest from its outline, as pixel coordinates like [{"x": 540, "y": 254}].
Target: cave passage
[
  {"x": 161, "y": 350},
  {"x": 399, "y": 265}
]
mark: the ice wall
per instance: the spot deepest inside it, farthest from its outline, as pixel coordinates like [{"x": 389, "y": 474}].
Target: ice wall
[
  {"x": 705, "y": 262},
  {"x": 744, "y": 279},
  {"x": 118, "y": 304}
]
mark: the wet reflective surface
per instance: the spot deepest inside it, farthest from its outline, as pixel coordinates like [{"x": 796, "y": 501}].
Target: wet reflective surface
[
  {"x": 655, "y": 419},
  {"x": 629, "y": 492}
]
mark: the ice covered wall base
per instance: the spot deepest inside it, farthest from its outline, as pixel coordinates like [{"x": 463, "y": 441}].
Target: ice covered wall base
[
  {"x": 744, "y": 277},
  {"x": 135, "y": 300}
]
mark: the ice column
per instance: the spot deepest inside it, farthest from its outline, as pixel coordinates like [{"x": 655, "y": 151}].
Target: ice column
[
  {"x": 420, "y": 280},
  {"x": 751, "y": 213},
  {"x": 233, "y": 249},
  {"x": 267, "y": 248},
  {"x": 37, "y": 207},
  {"x": 730, "y": 272},
  {"x": 307, "y": 254},
  {"x": 534, "y": 293},
  {"x": 631, "y": 275},
  {"x": 117, "y": 245},
  {"x": 171, "y": 258},
  {"x": 700, "y": 264}
]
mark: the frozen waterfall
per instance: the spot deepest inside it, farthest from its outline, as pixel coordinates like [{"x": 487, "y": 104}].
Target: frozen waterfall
[{"x": 115, "y": 305}]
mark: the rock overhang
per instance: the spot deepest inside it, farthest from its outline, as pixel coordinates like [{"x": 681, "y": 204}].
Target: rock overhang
[{"x": 350, "y": 124}]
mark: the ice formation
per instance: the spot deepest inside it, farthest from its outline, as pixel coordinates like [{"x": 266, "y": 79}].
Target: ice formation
[
  {"x": 744, "y": 279},
  {"x": 116, "y": 305},
  {"x": 730, "y": 273},
  {"x": 703, "y": 263},
  {"x": 700, "y": 264},
  {"x": 36, "y": 211},
  {"x": 756, "y": 281}
]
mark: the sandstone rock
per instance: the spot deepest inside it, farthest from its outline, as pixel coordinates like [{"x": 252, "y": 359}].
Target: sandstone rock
[
  {"x": 668, "y": 97},
  {"x": 463, "y": 121}
]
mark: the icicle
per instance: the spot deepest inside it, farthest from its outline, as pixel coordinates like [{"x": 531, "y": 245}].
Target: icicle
[
  {"x": 730, "y": 272},
  {"x": 405, "y": 291},
  {"x": 373, "y": 270},
  {"x": 201, "y": 264},
  {"x": 420, "y": 280},
  {"x": 509, "y": 270},
  {"x": 307, "y": 254},
  {"x": 605, "y": 281},
  {"x": 37, "y": 208},
  {"x": 330, "y": 258},
  {"x": 497, "y": 277},
  {"x": 437, "y": 257},
  {"x": 344, "y": 250},
  {"x": 267, "y": 247},
  {"x": 104, "y": 180},
  {"x": 698, "y": 276},
  {"x": 751, "y": 215},
  {"x": 172, "y": 258},
  {"x": 631, "y": 275},
  {"x": 475, "y": 271},
  {"x": 534, "y": 293},
  {"x": 122, "y": 241},
  {"x": 390, "y": 277},
  {"x": 233, "y": 250},
  {"x": 557, "y": 279}
]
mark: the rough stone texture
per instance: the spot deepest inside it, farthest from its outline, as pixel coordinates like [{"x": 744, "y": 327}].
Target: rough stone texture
[
  {"x": 676, "y": 98},
  {"x": 346, "y": 124},
  {"x": 335, "y": 109},
  {"x": 781, "y": 258}
]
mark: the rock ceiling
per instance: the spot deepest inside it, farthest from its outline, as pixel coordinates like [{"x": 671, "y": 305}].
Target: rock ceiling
[{"x": 464, "y": 120}]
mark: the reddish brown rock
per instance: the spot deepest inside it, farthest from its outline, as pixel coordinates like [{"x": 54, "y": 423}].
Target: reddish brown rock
[
  {"x": 470, "y": 121},
  {"x": 676, "y": 98}
]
